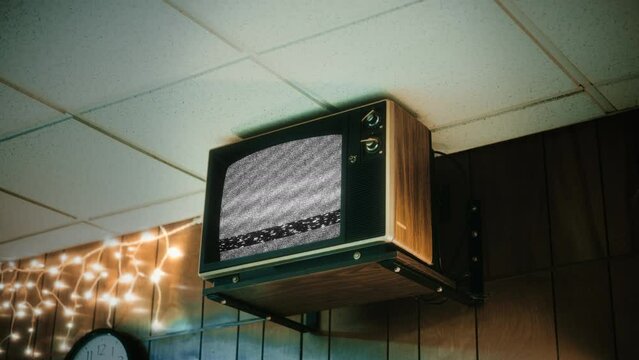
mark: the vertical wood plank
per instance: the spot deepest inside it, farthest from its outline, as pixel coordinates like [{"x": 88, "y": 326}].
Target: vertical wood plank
[
  {"x": 25, "y": 299},
  {"x": 73, "y": 308},
  {"x": 619, "y": 150},
  {"x": 185, "y": 347},
  {"x": 281, "y": 342},
  {"x": 508, "y": 178},
  {"x": 219, "y": 343},
  {"x": 250, "y": 338},
  {"x": 46, "y": 322},
  {"x": 574, "y": 194},
  {"x": 6, "y": 315},
  {"x": 403, "y": 329},
  {"x": 584, "y": 320},
  {"x": 624, "y": 274},
  {"x": 359, "y": 332},
  {"x": 178, "y": 300},
  {"x": 315, "y": 346},
  {"x": 134, "y": 316},
  {"x": 516, "y": 322},
  {"x": 447, "y": 331}
]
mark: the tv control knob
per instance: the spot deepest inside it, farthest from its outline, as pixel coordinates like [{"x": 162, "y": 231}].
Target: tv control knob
[
  {"x": 372, "y": 120},
  {"x": 371, "y": 145}
]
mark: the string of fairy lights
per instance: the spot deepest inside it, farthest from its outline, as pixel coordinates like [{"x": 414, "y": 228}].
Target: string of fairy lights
[{"x": 24, "y": 296}]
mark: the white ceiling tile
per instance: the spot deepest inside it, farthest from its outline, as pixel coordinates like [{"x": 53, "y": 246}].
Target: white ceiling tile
[
  {"x": 19, "y": 112},
  {"x": 183, "y": 122},
  {"x": 75, "y": 169},
  {"x": 80, "y": 54},
  {"x": 622, "y": 94},
  {"x": 600, "y": 37},
  {"x": 258, "y": 25},
  {"x": 445, "y": 60},
  {"x": 19, "y": 217},
  {"x": 58, "y": 239},
  {"x": 159, "y": 214},
  {"x": 514, "y": 124}
]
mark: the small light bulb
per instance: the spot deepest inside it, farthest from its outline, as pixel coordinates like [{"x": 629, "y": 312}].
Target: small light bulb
[
  {"x": 126, "y": 278},
  {"x": 104, "y": 274},
  {"x": 156, "y": 275},
  {"x": 46, "y": 292},
  {"x": 20, "y": 314},
  {"x": 118, "y": 255},
  {"x": 54, "y": 270},
  {"x": 33, "y": 263},
  {"x": 69, "y": 325},
  {"x": 157, "y": 325},
  {"x": 14, "y": 336},
  {"x": 12, "y": 264},
  {"x": 129, "y": 297},
  {"x": 37, "y": 311},
  {"x": 30, "y": 329},
  {"x": 68, "y": 312},
  {"x": 48, "y": 303},
  {"x": 22, "y": 305},
  {"x": 75, "y": 296},
  {"x": 88, "y": 295},
  {"x": 58, "y": 284},
  {"x": 64, "y": 257},
  {"x": 17, "y": 285},
  {"x": 77, "y": 260},
  {"x": 113, "y": 301},
  {"x": 64, "y": 346},
  {"x": 6, "y": 304},
  {"x": 29, "y": 284},
  {"x": 28, "y": 351},
  {"x": 147, "y": 236},
  {"x": 88, "y": 276},
  {"x": 174, "y": 252},
  {"x": 97, "y": 267},
  {"x": 1, "y": 286},
  {"x": 111, "y": 242}
]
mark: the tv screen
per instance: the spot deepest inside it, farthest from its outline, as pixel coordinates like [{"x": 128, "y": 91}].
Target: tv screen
[{"x": 282, "y": 196}]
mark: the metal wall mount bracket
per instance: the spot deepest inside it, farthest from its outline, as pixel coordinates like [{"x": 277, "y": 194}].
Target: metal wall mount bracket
[
  {"x": 310, "y": 321},
  {"x": 475, "y": 253}
]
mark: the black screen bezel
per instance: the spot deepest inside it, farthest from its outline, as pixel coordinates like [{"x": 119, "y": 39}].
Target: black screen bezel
[{"x": 221, "y": 158}]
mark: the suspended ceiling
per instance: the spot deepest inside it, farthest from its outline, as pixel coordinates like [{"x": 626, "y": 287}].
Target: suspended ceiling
[{"x": 108, "y": 108}]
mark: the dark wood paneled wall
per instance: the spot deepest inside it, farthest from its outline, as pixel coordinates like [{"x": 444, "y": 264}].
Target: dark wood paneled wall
[{"x": 561, "y": 243}]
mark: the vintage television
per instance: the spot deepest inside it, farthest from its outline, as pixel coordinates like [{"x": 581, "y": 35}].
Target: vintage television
[{"x": 339, "y": 182}]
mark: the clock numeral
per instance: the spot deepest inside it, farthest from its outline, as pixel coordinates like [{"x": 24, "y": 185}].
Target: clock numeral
[
  {"x": 89, "y": 355},
  {"x": 101, "y": 348}
]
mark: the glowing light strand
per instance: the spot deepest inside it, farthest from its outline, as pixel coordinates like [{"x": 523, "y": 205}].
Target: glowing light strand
[{"x": 19, "y": 306}]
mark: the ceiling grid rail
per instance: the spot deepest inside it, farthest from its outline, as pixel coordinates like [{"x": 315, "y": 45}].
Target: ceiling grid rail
[
  {"x": 81, "y": 119},
  {"x": 513, "y": 108},
  {"x": 554, "y": 53},
  {"x": 253, "y": 57}
]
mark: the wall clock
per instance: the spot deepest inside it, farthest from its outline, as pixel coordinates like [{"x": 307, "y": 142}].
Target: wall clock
[{"x": 107, "y": 344}]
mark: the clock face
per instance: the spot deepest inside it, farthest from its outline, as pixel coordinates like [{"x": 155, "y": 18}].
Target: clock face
[{"x": 102, "y": 347}]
